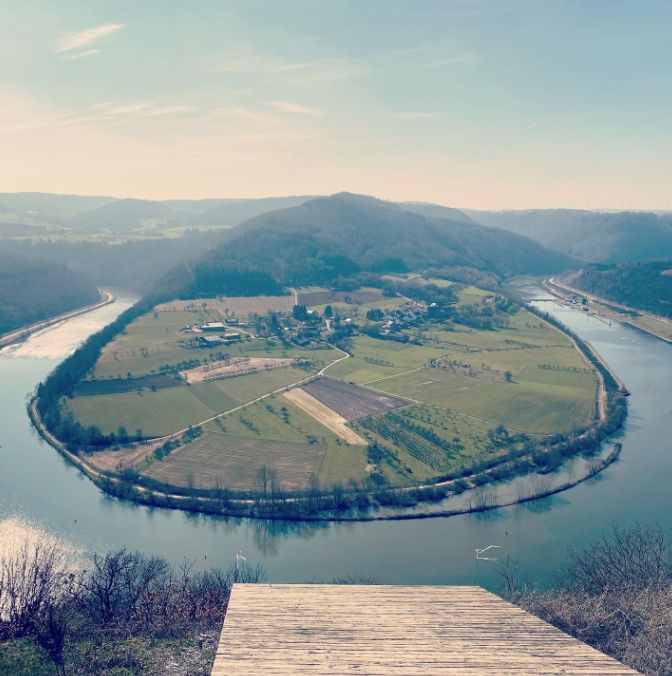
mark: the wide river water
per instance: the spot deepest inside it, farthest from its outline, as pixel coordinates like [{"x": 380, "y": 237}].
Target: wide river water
[{"x": 41, "y": 493}]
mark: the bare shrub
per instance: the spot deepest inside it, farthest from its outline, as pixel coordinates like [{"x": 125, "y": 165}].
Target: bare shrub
[
  {"x": 616, "y": 596},
  {"x": 33, "y": 577}
]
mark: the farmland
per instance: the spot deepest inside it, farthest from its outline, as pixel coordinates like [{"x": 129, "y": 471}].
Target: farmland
[
  {"x": 406, "y": 398},
  {"x": 350, "y": 401},
  {"x": 324, "y": 415},
  {"x": 217, "y": 460}
]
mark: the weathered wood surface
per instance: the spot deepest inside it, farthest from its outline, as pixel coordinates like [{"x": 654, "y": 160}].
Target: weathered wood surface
[{"x": 377, "y": 629}]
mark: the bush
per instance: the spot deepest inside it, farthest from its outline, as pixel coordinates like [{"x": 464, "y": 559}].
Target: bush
[{"x": 616, "y": 596}]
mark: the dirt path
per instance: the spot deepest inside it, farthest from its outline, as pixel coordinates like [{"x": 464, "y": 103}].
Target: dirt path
[
  {"x": 324, "y": 415},
  {"x": 235, "y": 366}
]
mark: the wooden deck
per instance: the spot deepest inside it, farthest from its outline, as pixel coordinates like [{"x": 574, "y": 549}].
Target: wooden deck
[{"x": 377, "y": 629}]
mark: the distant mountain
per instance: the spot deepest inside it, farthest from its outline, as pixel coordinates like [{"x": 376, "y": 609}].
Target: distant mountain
[
  {"x": 122, "y": 216},
  {"x": 235, "y": 212},
  {"x": 593, "y": 236},
  {"x": 337, "y": 236},
  {"x": 437, "y": 211},
  {"x": 128, "y": 215},
  {"x": 645, "y": 286},
  {"x": 32, "y": 290},
  {"x": 48, "y": 204}
]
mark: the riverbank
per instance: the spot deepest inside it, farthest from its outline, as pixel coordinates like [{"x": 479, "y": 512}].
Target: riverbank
[
  {"x": 268, "y": 509},
  {"x": 655, "y": 325},
  {"x": 382, "y": 505},
  {"x": 22, "y": 334}
]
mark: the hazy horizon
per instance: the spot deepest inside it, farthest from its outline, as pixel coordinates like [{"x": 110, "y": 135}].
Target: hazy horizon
[
  {"x": 475, "y": 104},
  {"x": 460, "y": 207}
]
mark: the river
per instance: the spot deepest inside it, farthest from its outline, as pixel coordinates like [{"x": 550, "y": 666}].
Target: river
[{"x": 41, "y": 493}]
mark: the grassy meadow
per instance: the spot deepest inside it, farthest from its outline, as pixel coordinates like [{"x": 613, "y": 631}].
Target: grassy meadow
[{"x": 459, "y": 382}]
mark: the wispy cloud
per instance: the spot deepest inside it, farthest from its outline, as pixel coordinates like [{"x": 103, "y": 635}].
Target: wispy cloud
[
  {"x": 80, "y": 55},
  {"x": 244, "y": 59},
  {"x": 296, "y": 108},
  {"x": 454, "y": 60},
  {"x": 246, "y": 114},
  {"x": 105, "y": 114},
  {"x": 414, "y": 115},
  {"x": 70, "y": 41}
]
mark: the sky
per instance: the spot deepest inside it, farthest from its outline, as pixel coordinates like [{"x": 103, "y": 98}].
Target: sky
[{"x": 486, "y": 104}]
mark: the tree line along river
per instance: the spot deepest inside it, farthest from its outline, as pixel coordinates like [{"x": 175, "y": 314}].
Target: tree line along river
[{"x": 40, "y": 491}]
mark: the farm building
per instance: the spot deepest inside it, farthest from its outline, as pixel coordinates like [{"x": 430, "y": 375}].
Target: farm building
[
  {"x": 210, "y": 341},
  {"x": 213, "y": 326}
]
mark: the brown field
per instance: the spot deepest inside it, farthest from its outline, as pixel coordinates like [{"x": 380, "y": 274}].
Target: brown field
[
  {"x": 232, "y": 462},
  {"x": 237, "y": 305},
  {"x": 326, "y": 296},
  {"x": 235, "y": 366},
  {"x": 351, "y": 401},
  {"x": 113, "y": 461},
  {"x": 324, "y": 415}
]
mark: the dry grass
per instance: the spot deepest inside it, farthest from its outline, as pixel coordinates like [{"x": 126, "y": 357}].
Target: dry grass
[
  {"x": 235, "y": 366},
  {"x": 224, "y": 460}
]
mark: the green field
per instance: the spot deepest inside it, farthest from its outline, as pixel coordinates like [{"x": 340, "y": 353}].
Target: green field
[{"x": 461, "y": 383}]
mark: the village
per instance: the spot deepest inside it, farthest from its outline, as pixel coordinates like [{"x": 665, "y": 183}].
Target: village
[{"x": 306, "y": 327}]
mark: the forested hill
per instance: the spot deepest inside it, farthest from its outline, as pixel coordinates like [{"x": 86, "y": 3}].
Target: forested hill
[
  {"x": 646, "y": 286},
  {"x": 338, "y": 236},
  {"x": 598, "y": 237},
  {"x": 32, "y": 290}
]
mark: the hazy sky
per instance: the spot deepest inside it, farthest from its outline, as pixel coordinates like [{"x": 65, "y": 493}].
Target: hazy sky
[{"x": 472, "y": 103}]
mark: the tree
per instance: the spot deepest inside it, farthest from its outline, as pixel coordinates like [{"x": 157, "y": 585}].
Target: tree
[
  {"x": 508, "y": 376},
  {"x": 300, "y": 312},
  {"x": 328, "y": 311},
  {"x": 265, "y": 477}
]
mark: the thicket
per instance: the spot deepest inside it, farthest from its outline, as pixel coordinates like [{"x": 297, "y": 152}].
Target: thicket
[{"x": 82, "y": 614}]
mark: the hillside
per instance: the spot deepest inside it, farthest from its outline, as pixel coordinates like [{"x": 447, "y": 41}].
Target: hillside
[
  {"x": 432, "y": 210},
  {"x": 337, "y": 236},
  {"x": 50, "y": 204},
  {"x": 34, "y": 214},
  {"x": 129, "y": 215},
  {"x": 234, "y": 212},
  {"x": 133, "y": 264},
  {"x": 32, "y": 290},
  {"x": 593, "y": 236},
  {"x": 645, "y": 286}
]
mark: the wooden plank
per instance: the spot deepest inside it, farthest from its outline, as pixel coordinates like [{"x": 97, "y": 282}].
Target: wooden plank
[{"x": 380, "y": 629}]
